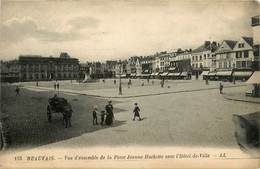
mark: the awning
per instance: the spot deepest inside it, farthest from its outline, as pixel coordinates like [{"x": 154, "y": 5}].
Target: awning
[
  {"x": 164, "y": 74},
  {"x": 155, "y": 74},
  {"x": 132, "y": 74},
  {"x": 211, "y": 74},
  {"x": 255, "y": 78},
  {"x": 146, "y": 71},
  {"x": 138, "y": 75},
  {"x": 243, "y": 74},
  {"x": 145, "y": 75},
  {"x": 172, "y": 68},
  {"x": 204, "y": 73},
  {"x": 184, "y": 74},
  {"x": 124, "y": 75},
  {"x": 225, "y": 73},
  {"x": 174, "y": 74}
]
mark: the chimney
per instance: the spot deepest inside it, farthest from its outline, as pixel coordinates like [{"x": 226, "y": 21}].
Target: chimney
[
  {"x": 214, "y": 43},
  {"x": 206, "y": 43}
]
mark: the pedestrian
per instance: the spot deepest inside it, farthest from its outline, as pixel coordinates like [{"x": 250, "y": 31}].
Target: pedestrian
[
  {"x": 114, "y": 82},
  {"x": 95, "y": 113},
  {"x": 37, "y": 83},
  {"x": 221, "y": 88},
  {"x": 54, "y": 86},
  {"x": 102, "y": 114},
  {"x": 17, "y": 90},
  {"x": 136, "y": 111},
  {"x": 162, "y": 83},
  {"x": 148, "y": 80},
  {"x": 207, "y": 81},
  {"x": 234, "y": 80},
  {"x": 128, "y": 85},
  {"x": 152, "y": 82},
  {"x": 71, "y": 81},
  {"x": 109, "y": 113},
  {"x": 142, "y": 82},
  {"x": 58, "y": 86}
]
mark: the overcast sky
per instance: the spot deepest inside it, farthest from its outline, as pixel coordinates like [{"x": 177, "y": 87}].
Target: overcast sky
[{"x": 99, "y": 31}]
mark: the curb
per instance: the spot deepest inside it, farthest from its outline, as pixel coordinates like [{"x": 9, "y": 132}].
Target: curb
[
  {"x": 239, "y": 100},
  {"x": 116, "y": 97}
]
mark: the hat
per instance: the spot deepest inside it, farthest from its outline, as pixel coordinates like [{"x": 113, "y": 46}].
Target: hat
[
  {"x": 135, "y": 103},
  {"x": 95, "y": 108},
  {"x": 109, "y": 101}
]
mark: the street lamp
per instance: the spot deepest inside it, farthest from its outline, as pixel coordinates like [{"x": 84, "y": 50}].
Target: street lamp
[{"x": 120, "y": 86}]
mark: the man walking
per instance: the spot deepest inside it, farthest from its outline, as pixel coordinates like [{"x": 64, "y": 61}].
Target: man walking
[
  {"x": 17, "y": 90},
  {"x": 220, "y": 88}
]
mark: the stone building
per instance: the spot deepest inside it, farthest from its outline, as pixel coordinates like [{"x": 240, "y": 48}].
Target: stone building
[{"x": 38, "y": 68}]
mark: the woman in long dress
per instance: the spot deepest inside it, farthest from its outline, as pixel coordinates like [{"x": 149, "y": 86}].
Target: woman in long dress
[{"x": 109, "y": 113}]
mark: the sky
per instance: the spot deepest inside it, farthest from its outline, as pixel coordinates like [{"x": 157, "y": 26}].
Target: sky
[{"x": 112, "y": 30}]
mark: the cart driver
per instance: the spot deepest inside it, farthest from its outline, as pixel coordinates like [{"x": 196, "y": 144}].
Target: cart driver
[{"x": 54, "y": 100}]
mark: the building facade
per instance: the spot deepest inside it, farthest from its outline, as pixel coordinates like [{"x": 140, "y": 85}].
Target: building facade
[{"x": 38, "y": 68}]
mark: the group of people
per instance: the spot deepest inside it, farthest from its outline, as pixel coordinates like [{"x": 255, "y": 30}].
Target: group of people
[
  {"x": 107, "y": 115},
  {"x": 56, "y": 86}
]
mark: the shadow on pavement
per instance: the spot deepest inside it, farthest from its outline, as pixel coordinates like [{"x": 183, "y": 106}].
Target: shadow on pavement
[{"x": 27, "y": 117}]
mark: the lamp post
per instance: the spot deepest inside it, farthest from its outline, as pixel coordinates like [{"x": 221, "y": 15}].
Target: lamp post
[{"x": 120, "y": 86}]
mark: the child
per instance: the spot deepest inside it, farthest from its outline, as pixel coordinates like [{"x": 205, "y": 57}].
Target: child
[
  {"x": 95, "y": 112},
  {"x": 136, "y": 111},
  {"x": 102, "y": 114}
]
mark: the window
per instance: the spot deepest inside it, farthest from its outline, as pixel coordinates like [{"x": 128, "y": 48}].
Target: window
[
  {"x": 243, "y": 63},
  {"x": 193, "y": 65},
  {"x": 196, "y": 57},
  {"x": 205, "y": 56},
  {"x": 220, "y": 64},
  {"x": 249, "y": 63},
  {"x": 200, "y": 57},
  {"x": 238, "y": 54},
  {"x": 229, "y": 64},
  {"x": 225, "y": 64},
  {"x": 196, "y": 65},
  {"x": 246, "y": 54},
  {"x": 192, "y": 57},
  {"x": 208, "y": 55},
  {"x": 240, "y": 45},
  {"x": 238, "y": 64}
]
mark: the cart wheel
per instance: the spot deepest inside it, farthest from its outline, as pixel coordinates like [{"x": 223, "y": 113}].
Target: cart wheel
[{"x": 49, "y": 114}]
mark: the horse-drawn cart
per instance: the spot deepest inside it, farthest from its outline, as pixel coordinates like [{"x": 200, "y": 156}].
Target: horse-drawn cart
[{"x": 60, "y": 106}]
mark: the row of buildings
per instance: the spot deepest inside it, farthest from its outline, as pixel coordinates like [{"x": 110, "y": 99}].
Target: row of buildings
[{"x": 211, "y": 60}]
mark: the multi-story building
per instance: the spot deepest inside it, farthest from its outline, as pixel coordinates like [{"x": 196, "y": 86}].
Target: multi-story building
[
  {"x": 164, "y": 61},
  {"x": 244, "y": 53},
  {"x": 256, "y": 42},
  {"x": 10, "y": 71},
  {"x": 37, "y": 68},
  {"x": 225, "y": 56}
]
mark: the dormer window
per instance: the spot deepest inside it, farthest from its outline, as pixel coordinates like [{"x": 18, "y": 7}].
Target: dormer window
[{"x": 240, "y": 45}]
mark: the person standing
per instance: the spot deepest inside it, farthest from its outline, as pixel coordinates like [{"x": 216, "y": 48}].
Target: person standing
[
  {"x": 142, "y": 82},
  {"x": 136, "y": 111},
  {"x": 95, "y": 115},
  {"x": 37, "y": 83},
  {"x": 58, "y": 86},
  {"x": 221, "y": 88},
  {"x": 54, "y": 86},
  {"x": 162, "y": 83},
  {"x": 102, "y": 114},
  {"x": 114, "y": 82},
  {"x": 17, "y": 90},
  {"x": 109, "y": 113}
]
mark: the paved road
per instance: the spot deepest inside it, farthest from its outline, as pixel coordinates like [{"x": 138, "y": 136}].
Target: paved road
[{"x": 197, "y": 118}]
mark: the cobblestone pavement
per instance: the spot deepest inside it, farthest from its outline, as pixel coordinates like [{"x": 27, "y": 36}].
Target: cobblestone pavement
[{"x": 197, "y": 118}]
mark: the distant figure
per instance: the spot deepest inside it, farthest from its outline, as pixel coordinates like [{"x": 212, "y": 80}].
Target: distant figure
[
  {"x": 128, "y": 85},
  {"x": 148, "y": 80},
  {"x": 142, "y": 82},
  {"x": 136, "y": 111},
  {"x": 104, "y": 81},
  {"x": 207, "y": 81},
  {"x": 130, "y": 81},
  {"x": 221, "y": 88},
  {"x": 114, "y": 82},
  {"x": 17, "y": 90},
  {"x": 152, "y": 82},
  {"x": 102, "y": 114},
  {"x": 71, "y": 81},
  {"x": 162, "y": 83},
  {"x": 109, "y": 113},
  {"x": 234, "y": 80},
  {"x": 95, "y": 113},
  {"x": 37, "y": 83},
  {"x": 58, "y": 86},
  {"x": 54, "y": 86}
]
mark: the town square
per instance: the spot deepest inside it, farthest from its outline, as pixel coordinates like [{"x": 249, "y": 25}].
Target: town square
[{"x": 129, "y": 81}]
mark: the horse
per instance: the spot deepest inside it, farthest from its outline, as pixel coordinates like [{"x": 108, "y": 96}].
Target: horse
[{"x": 67, "y": 113}]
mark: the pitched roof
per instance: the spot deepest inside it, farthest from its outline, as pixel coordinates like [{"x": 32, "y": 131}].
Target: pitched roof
[
  {"x": 249, "y": 40},
  {"x": 231, "y": 43},
  {"x": 202, "y": 48}
]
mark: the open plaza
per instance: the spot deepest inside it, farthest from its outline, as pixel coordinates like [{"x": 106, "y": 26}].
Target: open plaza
[{"x": 183, "y": 113}]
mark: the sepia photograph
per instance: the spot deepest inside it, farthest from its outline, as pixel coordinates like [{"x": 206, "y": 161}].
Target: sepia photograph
[{"x": 130, "y": 84}]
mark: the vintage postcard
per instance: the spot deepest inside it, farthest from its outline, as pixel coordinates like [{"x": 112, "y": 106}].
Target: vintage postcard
[{"x": 130, "y": 84}]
